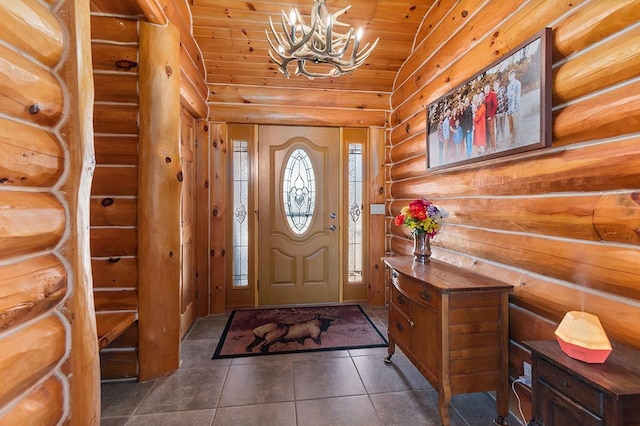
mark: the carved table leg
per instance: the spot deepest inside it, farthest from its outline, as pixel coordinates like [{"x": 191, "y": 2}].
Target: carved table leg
[
  {"x": 391, "y": 349},
  {"x": 444, "y": 398}
]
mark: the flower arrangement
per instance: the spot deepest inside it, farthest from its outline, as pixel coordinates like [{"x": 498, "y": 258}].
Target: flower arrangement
[{"x": 422, "y": 217}]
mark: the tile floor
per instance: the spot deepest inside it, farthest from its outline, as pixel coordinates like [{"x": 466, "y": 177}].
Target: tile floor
[{"x": 332, "y": 388}]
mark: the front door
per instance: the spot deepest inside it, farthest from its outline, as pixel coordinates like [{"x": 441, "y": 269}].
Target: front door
[{"x": 299, "y": 215}]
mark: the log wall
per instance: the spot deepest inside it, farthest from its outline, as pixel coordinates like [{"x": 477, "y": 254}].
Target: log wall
[
  {"x": 48, "y": 342},
  {"x": 561, "y": 223}
]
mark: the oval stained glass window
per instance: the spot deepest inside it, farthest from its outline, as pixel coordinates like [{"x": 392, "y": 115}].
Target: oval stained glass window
[{"x": 299, "y": 191}]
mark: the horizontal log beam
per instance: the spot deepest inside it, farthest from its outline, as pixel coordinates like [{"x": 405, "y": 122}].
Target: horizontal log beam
[
  {"x": 115, "y": 181},
  {"x": 559, "y": 171},
  {"x": 116, "y": 300},
  {"x": 30, "y": 288},
  {"x": 43, "y": 405},
  {"x": 120, "y": 119},
  {"x": 284, "y": 96},
  {"x": 32, "y": 93},
  {"x": 116, "y": 150},
  {"x": 30, "y": 222},
  {"x": 114, "y": 242},
  {"x": 112, "y": 325},
  {"x": 41, "y": 36},
  {"x": 114, "y": 211},
  {"x": 301, "y": 116},
  {"x": 114, "y": 29},
  {"x": 30, "y": 354},
  {"x": 30, "y": 156}
]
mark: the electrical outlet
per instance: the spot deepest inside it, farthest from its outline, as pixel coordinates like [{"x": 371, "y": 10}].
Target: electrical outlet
[{"x": 526, "y": 367}]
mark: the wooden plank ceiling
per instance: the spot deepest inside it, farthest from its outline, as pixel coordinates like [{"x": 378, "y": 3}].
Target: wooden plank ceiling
[{"x": 231, "y": 35}]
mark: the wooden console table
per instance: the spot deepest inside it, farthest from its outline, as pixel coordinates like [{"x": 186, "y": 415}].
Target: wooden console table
[
  {"x": 454, "y": 327},
  {"x": 567, "y": 391}
]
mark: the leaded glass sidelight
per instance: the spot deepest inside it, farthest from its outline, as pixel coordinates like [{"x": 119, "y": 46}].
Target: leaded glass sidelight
[
  {"x": 299, "y": 191},
  {"x": 356, "y": 203},
  {"x": 240, "y": 223}
]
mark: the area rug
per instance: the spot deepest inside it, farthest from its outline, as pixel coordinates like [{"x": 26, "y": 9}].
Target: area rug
[{"x": 297, "y": 329}]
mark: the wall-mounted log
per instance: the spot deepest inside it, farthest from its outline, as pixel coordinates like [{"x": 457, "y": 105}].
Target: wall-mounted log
[
  {"x": 45, "y": 36},
  {"x": 609, "y": 114},
  {"x": 592, "y": 23},
  {"x": 190, "y": 98},
  {"x": 44, "y": 405},
  {"x": 159, "y": 201},
  {"x": 617, "y": 163},
  {"x": 30, "y": 288},
  {"x": 31, "y": 222},
  {"x": 30, "y": 156},
  {"x": 29, "y": 354},
  {"x": 32, "y": 93},
  {"x": 611, "y": 62}
]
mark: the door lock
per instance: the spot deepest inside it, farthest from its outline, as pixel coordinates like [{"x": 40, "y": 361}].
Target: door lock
[{"x": 331, "y": 228}]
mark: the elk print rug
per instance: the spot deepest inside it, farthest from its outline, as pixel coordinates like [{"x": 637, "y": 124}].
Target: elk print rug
[{"x": 297, "y": 329}]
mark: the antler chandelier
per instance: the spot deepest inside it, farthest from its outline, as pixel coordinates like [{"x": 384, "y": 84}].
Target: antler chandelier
[{"x": 318, "y": 48}]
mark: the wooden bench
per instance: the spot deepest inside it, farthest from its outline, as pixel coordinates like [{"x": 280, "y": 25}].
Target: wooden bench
[{"x": 111, "y": 325}]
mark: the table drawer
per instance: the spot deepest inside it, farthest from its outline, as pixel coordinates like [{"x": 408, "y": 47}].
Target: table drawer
[
  {"x": 400, "y": 301},
  {"x": 569, "y": 385},
  {"x": 399, "y": 326},
  {"x": 416, "y": 290}
]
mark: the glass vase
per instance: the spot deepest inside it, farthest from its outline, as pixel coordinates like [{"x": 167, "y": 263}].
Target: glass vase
[{"x": 421, "y": 247}]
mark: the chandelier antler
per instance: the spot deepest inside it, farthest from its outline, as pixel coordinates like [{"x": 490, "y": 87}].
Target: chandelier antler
[{"x": 317, "y": 43}]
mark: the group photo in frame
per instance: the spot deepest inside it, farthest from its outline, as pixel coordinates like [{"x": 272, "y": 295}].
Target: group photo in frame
[{"x": 502, "y": 110}]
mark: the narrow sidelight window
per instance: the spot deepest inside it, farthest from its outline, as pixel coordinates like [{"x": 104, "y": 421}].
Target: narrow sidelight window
[
  {"x": 356, "y": 204},
  {"x": 240, "y": 221}
]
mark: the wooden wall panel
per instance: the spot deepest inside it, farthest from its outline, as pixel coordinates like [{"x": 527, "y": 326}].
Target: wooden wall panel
[
  {"x": 115, "y": 272},
  {"x": 219, "y": 207},
  {"x": 114, "y": 203},
  {"x": 560, "y": 223}
]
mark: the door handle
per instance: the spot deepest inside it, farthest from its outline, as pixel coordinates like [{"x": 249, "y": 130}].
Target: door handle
[{"x": 332, "y": 228}]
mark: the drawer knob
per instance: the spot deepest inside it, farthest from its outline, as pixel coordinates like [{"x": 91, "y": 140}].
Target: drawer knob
[
  {"x": 424, "y": 294},
  {"x": 399, "y": 327},
  {"x": 563, "y": 383},
  {"x": 411, "y": 323},
  {"x": 394, "y": 274},
  {"x": 400, "y": 298}
]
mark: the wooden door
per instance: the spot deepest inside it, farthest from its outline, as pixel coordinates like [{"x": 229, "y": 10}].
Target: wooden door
[
  {"x": 187, "y": 222},
  {"x": 299, "y": 215}
]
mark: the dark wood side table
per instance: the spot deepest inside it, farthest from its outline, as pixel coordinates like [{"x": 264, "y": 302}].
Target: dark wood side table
[
  {"x": 454, "y": 327},
  {"x": 567, "y": 391}
]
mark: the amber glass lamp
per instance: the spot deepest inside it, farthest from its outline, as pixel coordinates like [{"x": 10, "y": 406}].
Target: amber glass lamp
[{"x": 582, "y": 337}]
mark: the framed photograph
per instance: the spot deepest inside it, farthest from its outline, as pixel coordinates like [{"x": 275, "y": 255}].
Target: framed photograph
[{"x": 502, "y": 110}]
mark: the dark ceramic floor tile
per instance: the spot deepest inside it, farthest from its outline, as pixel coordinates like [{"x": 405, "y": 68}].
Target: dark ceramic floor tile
[
  {"x": 342, "y": 411},
  {"x": 478, "y": 409},
  {"x": 184, "y": 390},
  {"x": 319, "y": 356},
  {"x": 122, "y": 398},
  {"x": 207, "y": 329},
  {"x": 262, "y": 359},
  {"x": 198, "y": 353},
  {"x": 399, "y": 375},
  {"x": 276, "y": 414},
  {"x": 381, "y": 352},
  {"x": 258, "y": 384},
  {"x": 326, "y": 378},
  {"x": 412, "y": 408},
  {"x": 114, "y": 421},
  {"x": 181, "y": 418}
]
